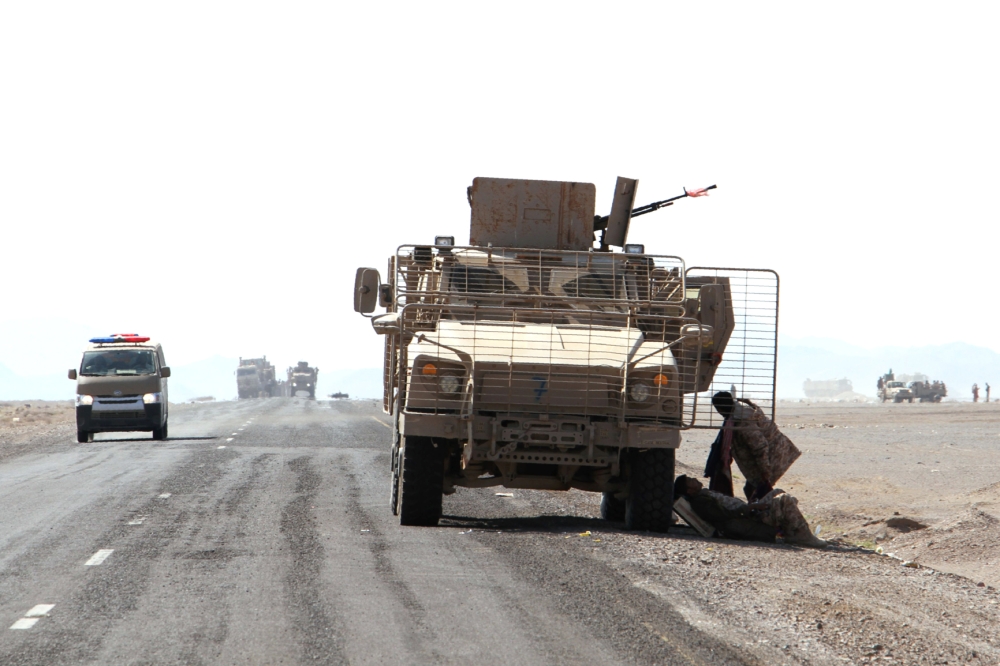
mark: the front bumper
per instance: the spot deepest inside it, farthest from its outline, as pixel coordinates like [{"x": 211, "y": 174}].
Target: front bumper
[
  {"x": 531, "y": 433},
  {"x": 90, "y": 420}
]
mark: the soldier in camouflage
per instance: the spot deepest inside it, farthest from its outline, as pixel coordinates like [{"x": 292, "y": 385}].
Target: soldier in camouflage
[
  {"x": 774, "y": 515},
  {"x": 761, "y": 451}
]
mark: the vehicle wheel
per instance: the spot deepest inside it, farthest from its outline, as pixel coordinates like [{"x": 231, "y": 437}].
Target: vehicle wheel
[
  {"x": 650, "y": 502},
  {"x": 421, "y": 481},
  {"x": 612, "y": 508},
  {"x": 84, "y": 437},
  {"x": 911, "y": 401},
  {"x": 312, "y": 394},
  {"x": 160, "y": 433}
]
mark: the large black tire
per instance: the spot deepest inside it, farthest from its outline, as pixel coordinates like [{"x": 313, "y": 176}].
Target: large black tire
[
  {"x": 612, "y": 508},
  {"x": 421, "y": 481},
  {"x": 83, "y": 437},
  {"x": 650, "y": 502},
  {"x": 160, "y": 433}
]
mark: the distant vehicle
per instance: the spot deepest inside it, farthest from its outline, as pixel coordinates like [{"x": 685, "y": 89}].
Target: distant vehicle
[
  {"x": 339, "y": 396},
  {"x": 827, "y": 389},
  {"x": 889, "y": 388},
  {"x": 926, "y": 391},
  {"x": 255, "y": 379},
  {"x": 302, "y": 378},
  {"x": 121, "y": 386}
]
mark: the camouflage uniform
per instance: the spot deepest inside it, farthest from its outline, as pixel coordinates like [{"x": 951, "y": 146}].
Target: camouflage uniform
[
  {"x": 776, "y": 514},
  {"x": 782, "y": 512},
  {"x": 761, "y": 451}
]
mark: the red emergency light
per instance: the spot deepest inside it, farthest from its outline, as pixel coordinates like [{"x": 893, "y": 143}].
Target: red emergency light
[{"x": 120, "y": 337}]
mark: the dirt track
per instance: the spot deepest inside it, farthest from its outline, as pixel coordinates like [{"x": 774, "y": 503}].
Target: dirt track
[{"x": 623, "y": 596}]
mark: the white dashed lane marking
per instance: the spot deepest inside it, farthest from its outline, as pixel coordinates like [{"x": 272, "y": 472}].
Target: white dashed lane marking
[
  {"x": 99, "y": 557},
  {"x": 137, "y": 520},
  {"x": 234, "y": 434},
  {"x": 24, "y": 623},
  {"x": 223, "y": 446},
  {"x": 229, "y": 439},
  {"x": 378, "y": 420},
  {"x": 164, "y": 496},
  {"x": 40, "y": 610}
]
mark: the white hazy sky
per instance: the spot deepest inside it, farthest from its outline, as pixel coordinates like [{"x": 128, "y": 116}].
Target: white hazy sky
[{"x": 212, "y": 173}]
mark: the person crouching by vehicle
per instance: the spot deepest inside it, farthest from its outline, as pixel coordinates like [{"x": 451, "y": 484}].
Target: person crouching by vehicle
[
  {"x": 761, "y": 451},
  {"x": 775, "y": 514}
]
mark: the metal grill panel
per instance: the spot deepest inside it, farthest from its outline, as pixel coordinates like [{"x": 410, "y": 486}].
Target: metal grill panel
[
  {"x": 549, "y": 361},
  {"x": 749, "y": 363},
  {"x": 538, "y": 278}
]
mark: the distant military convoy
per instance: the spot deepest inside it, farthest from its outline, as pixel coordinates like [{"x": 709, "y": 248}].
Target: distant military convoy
[
  {"x": 256, "y": 378},
  {"x": 910, "y": 387}
]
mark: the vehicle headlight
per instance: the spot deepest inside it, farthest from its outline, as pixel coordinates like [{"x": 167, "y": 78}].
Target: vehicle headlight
[
  {"x": 84, "y": 400},
  {"x": 152, "y": 398},
  {"x": 639, "y": 392},
  {"x": 450, "y": 384}
]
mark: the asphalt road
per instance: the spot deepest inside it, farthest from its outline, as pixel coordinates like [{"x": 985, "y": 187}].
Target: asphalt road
[{"x": 260, "y": 533}]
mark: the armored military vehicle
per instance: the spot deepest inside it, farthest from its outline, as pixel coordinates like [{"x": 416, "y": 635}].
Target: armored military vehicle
[
  {"x": 532, "y": 359},
  {"x": 255, "y": 378},
  {"x": 302, "y": 378}
]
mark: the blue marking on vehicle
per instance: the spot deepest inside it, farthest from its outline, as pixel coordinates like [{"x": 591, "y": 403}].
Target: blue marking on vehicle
[{"x": 541, "y": 390}]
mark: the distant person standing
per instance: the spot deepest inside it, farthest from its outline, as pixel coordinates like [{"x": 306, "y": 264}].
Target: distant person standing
[
  {"x": 975, "y": 393},
  {"x": 987, "y": 391}
]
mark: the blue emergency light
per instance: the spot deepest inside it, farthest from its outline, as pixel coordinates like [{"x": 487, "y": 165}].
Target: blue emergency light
[{"x": 119, "y": 337}]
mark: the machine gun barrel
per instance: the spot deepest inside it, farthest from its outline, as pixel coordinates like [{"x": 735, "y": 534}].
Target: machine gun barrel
[{"x": 657, "y": 205}]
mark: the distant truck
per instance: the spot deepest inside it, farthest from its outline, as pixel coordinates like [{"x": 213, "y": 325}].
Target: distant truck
[
  {"x": 889, "y": 388},
  {"x": 339, "y": 396},
  {"x": 927, "y": 391},
  {"x": 255, "y": 378},
  {"x": 827, "y": 389},
  {"x": 302, "y": 378}
]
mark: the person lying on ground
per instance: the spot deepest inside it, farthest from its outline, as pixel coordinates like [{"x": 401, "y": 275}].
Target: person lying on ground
[{"x": 775, "y": 514}]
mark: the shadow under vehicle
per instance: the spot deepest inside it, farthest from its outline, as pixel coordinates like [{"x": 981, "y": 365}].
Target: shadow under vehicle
[{"x": 531, "y": 359}]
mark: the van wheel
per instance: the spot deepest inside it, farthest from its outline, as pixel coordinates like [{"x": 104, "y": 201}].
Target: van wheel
[
  {"x": 421, "y": 481},
  {"x": 84, "y": 437},
  {"x": 160, "y": 433},
  {"x": 612, "y": 508},
  {"x": 650, "y": 503}
]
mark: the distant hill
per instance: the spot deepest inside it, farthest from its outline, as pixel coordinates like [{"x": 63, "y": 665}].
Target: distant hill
[{"x": 957, "y": 364}]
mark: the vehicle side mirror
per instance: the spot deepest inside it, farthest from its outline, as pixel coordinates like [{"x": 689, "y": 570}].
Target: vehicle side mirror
[
  {"x": 366, "y": 291},
  {"x": 164, "y": 372},
  {"x": 72, "y": 374}
]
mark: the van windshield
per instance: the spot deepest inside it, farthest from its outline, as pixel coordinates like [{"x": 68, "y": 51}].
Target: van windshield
[{"x": 116, "y": 362}]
